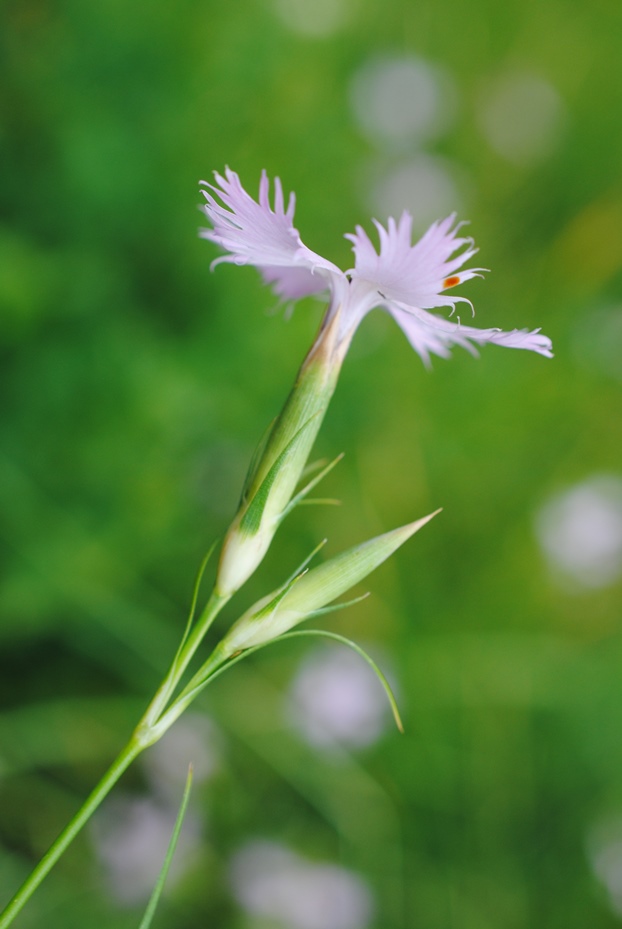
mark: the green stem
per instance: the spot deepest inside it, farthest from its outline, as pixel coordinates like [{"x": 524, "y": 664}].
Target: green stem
[
  {"x": 119, "y": 765},
  {"x": 182, "y": 659},
  {"x": 212, "y": 609},
  {"x": 146, "y": 733},
  {"x": 191, "y": 691}
]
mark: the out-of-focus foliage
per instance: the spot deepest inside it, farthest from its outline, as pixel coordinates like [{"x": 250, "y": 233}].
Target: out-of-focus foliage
[{"x": 135, "y": 385}]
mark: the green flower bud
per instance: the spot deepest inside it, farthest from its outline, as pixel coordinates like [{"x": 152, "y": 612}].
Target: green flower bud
[
  {"x": 278, "y": 465},
  {"x": 312, "y": 592}
]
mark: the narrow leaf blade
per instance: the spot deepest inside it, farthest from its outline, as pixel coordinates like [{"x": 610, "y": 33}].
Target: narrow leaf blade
[
  {"x": 364, "y": 655},
  {"x": 157, "y": 891}
]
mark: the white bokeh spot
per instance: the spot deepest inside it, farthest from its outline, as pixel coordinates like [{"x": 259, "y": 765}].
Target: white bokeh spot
[
  {"x": 522, "y": 117},
  {"x": 317, "y": 19},
  {"x": 400, "y": 101},
  {"x": 604, "y": 848},
  {"x": 270, "y": 881},
  {"x": 597, "y": 341},
  {"x": 580, "y": 532},
  {"x": 195, "y": 740},
  {"x": 131, "y": 840},
  {"x": 336, "y": 699},
  {"x": 424, "y": 186}
]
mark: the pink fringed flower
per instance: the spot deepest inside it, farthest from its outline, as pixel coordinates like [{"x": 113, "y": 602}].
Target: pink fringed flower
[{"x": 404, "y": 279}]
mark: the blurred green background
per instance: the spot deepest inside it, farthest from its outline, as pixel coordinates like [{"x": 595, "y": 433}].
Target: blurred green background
[{"x": 135, "y": 385}]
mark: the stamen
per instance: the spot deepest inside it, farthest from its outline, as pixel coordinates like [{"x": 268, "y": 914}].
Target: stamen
[{"x": 451, "y": 281}]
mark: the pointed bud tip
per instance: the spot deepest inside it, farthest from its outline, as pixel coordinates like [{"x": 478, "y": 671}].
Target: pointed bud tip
[{"x": 411, "y": 528}]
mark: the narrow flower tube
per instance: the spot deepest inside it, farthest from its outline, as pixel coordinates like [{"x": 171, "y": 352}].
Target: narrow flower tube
[
  {"x": 283, "y": 609},
  {"x": 273, "y": 477}
]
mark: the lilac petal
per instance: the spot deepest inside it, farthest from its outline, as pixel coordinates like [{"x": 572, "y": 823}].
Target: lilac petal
[
  {"x": 416, "y": 275},
  {"x": 251, "y": 232},
  {"x": 429, "y": 334},
  {"x": 293, "y": 283}
]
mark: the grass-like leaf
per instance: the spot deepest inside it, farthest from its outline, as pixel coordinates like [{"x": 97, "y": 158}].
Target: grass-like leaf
[
  {"x": 157, "y": 891},
  {"x": 193, "y": 689},
  {"x": 302, "y": 494},
  {"x": 360, "y": 651},
  {"x": 195, "y": 594}
]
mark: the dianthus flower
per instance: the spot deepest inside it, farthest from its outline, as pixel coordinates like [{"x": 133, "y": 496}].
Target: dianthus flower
[{"x": 404, "y": 279}]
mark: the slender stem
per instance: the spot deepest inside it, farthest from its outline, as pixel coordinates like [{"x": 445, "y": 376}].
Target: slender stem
[
  {"x": 191, "y": 691},
  {"x": 212, "y": 608},
  {"x": 182, "y": 659},
  {"x": 119, "y": 765},
  {"x": 145, "y": 734}
]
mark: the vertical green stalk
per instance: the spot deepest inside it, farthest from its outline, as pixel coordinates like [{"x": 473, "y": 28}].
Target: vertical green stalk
[
  {"x": 182, "y": 659},
  {"x": 147, "y": 732},
  {"x": 110, "y": 778}
]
